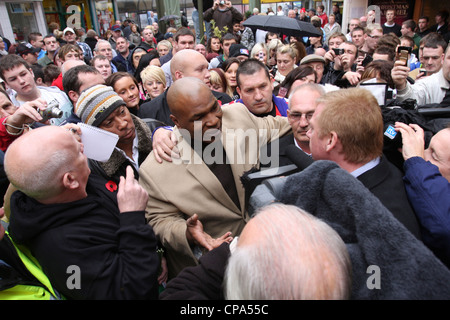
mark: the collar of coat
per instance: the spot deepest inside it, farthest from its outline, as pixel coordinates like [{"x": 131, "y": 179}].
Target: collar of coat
[{"x": 144, "y": 147}]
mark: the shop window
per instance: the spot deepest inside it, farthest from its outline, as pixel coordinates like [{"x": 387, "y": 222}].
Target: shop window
[{"x": 23, "y": 19}]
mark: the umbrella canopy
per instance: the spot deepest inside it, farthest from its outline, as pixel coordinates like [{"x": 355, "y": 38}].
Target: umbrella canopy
[
  {"x": 169, "y": 17},
  {"x": 282, "y": 24}
]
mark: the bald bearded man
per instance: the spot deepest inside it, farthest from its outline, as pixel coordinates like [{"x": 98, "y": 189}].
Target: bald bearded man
[
  {"x": 217, "y": 145},
  {"x": 88, "y": 234},
  {"x": 185, "y": 63}
]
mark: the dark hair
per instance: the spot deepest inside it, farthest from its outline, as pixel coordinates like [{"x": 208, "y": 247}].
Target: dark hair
[
  {"x": 227, "y": 63},
  {"x": 389, "y": 39},
  {"x": 296, "y": 74},
  {"x": 229, "y": 36},
  {"x": 144, "y": 62},
  {"x": 71, "y": 81},
  {"x": 443, "y": 14},
  {"x": 112, "y": 79},
  {"x": 208, "y": 45},
  {"x": 425, "y": 17},
  {"x": 386, "y": 50},
  {"x": 411, "y": 24},
  {"x": 432, "y": 40},
  {"x": 183, "y": 31},
  {"x": 250, "y": 67},
  {"x": 51, "y": 72},
  {"x": 301, "y": 50},
  {"x": 38, "y": 71},
  {"x": 11, "y": 61},
  {"x": 382, "y": 67},
  {"x": 33, "y": 36}
]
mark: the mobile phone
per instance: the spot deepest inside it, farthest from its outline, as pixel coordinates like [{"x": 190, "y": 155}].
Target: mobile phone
[
  {"x": 401, "y": 48},
  {"x": 368, "y": 59},
  {"x": 403, "y": 54},
  {"x": 338, "y": 51},
  {"x": 424, "y": 71},
  {"x": 261, "y": 56}
]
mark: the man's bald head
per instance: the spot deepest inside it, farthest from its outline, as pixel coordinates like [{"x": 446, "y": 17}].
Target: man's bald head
[
  {"x": 185, "y": 93},
  {"x": 189, "y": 63},
  {"x": 69, "y": 64},
  {"x": 194, "y": 107},
  {"x": 36, "y": 162}
]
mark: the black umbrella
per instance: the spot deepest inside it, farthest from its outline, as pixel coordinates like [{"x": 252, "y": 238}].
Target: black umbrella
[
  {"x": 282, "y": 24},
  {"x": 169, "y": 17}
]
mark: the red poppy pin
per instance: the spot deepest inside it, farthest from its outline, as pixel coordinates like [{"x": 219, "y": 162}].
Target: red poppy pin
[{"x": 111, "y": 186}]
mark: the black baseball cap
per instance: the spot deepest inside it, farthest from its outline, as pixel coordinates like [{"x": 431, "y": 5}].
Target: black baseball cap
[{"x": 25, "y": 48}]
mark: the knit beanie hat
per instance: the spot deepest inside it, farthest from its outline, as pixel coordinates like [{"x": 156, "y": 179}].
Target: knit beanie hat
[
  {"x": 237, "y": 49},
  {"x": 96, "y": 103}
]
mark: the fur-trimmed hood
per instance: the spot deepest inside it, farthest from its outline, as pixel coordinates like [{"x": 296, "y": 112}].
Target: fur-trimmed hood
[{"x": 112, "y": 167}]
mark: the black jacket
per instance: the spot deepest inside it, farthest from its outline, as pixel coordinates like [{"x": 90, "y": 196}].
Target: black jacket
[{"x": 114, "y": 252}]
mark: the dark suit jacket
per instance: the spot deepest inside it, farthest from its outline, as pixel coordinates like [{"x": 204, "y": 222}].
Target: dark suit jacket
[
  {"x": 385, "y": 181},
  {"x": 283, "y": 159}
]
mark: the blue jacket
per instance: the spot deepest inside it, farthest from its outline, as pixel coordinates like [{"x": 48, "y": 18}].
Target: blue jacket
[
  {"x": 280, "y": 104},
  {"x": 429, "y": 194}
]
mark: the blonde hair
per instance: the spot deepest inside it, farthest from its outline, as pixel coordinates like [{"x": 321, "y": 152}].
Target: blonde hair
[
  {"x": 355, "y": 116},
  {"x": 287, "y": 49},
  {"x": 260, "y": 46},
  {"x": 164, "y": 43},
  {"x": 153, "y": 72}
]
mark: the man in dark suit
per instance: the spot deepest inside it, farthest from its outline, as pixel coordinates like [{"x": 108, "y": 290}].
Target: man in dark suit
[
  {"x": 302, "y": 104},
  {"x": 347, "y": 128}
]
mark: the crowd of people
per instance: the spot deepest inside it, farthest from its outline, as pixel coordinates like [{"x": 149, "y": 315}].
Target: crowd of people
[{"x": 167, "y": 215}]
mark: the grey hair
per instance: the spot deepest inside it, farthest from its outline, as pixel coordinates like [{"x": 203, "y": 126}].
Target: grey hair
[
  {"x": 298, "y": 257},
  {"x": 311, "y": 86}
]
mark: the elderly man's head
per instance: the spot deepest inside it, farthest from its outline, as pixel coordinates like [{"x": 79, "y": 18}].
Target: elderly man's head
[{"x": 310, "y": 258}]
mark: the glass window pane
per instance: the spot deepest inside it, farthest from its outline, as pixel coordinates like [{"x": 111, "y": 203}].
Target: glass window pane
[{"x": 23, "y": 19}]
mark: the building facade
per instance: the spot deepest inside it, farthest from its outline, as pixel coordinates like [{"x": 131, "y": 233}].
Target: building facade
[{"x": 20, "y": 17}]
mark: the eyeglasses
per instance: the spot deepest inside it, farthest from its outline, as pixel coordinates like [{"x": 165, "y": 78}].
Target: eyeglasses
[
  {"x": 297, "y": 116},
  {"x": 374, "y": 37}
]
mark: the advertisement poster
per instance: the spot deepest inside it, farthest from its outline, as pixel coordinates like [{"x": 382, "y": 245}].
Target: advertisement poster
[{"x": 403, "y": 9}]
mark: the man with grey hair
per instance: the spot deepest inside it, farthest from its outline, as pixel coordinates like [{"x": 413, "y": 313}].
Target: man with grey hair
[
  {"x": 103, "y": 47},
  {"x": 311, "y": 259},
  {"x": 302, "y": 104}
]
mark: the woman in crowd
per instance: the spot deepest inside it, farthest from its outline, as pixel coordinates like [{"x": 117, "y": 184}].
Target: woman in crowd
[
  {"x": 286, "y": 57},
  {"x": 164, "y": 47},
  {"x": 230, "y": 67},
  {"x": 148, "y": 59},
  {"x": 213, "y": 47},
  {"x": 297, "y": 77},
  {"x": 272, "y": 47},
  {"x": 301, "y": 51},
  {"x": 331, "y": 27},
  {"x": 218, "y": 82},
  {"x": 127, "y": 87},
  {"x": 153, "y": 81},
  {"x": 316, "y": 43},
  {"x": 134, "y": 37},
  {"x": 101, "y": 107}
]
